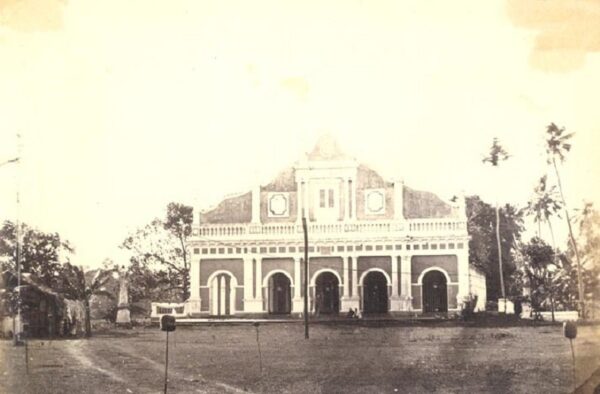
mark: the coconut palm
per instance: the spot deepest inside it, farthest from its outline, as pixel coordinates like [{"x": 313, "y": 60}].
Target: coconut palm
[
  {"x": 557, "y": 146},
  {"x": 496, "y": 155},
  {"x": 542, "y": 207}
]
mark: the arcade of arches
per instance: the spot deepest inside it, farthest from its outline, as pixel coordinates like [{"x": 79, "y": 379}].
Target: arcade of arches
[{"x": 373, "y": 285}]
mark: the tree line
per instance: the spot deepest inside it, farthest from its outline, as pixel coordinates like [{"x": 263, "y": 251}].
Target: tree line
[{"x": 159, "y": 266}]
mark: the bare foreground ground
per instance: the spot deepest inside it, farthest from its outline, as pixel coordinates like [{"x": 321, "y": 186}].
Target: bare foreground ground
[{"x": 336, "y": 359}]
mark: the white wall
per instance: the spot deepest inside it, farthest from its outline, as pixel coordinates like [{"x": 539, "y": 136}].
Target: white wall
[{"x": 477, "y": 287}]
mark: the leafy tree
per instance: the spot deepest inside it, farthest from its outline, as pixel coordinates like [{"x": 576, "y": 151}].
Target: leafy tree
[
  {"x": 147, "y": 284},
  {"x": 539, "y": 268},
  {"x": 544, "y": 205},
  {"x": 483, "y": 252},
  {"x": 72, "y": 284},
  {"x": 588, "y": 244},
  {"x": 496, "y": 155},
  {"x": 41, "y": 253},
  {"x": 557, "y": 146},
  {"x": 161, "y": 246}
]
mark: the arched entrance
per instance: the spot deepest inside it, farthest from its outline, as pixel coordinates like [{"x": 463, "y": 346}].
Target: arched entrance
[
  {"x": 435, "y": 292},
  {"x": 222, "y": 295},
  {"x": 327, "y": 293},
  {"x": 375, "y": 293},
  {"x": 280, "y": 300}
]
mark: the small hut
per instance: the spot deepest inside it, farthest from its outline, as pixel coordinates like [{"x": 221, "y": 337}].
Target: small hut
[{"x": 44, "y": 312}]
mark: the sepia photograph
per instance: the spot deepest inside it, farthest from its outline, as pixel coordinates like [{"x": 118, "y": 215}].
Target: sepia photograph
[{"x": 201, "y": 196}]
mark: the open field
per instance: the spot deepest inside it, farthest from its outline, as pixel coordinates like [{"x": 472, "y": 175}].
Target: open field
[{"x": 337, "y": 359}]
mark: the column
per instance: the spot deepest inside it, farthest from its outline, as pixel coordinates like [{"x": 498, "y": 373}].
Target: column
[
  {"x": 350, "y": 301},
  {"x": 355, "y": 276},
  {"x": 297, "y": 301},
  {"x": 258, "y": 279},
  {"x": 251, "y": 280},
  {"x": 395, "y": 302},
  {"x": 305, "y": 191},
  {"x": 346, "y": 277},
  {"x": 346, "y": 199},
  {"x": 463, "y": 276},
  {"x": 214, "y": 296},
  {"x": 399, "y": 199},
  {"x": 299, "y": 202},
  {"x": 222, "y": 296},
  {"x": 353, "y": 199},
  {"x": 406, "y": 282},
  {"x": 192, "y": 305},
  {"x": 248, "y": 279},
  {"x": 256, "y": 204}
]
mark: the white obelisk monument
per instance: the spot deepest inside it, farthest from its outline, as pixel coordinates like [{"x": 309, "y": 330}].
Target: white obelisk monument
[{"x": 123, "y": 316}]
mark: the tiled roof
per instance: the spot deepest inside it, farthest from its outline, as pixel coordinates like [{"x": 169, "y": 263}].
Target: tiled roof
[
  {"x": 424, "y": 205},
  {"x": 231, "y": 210}
]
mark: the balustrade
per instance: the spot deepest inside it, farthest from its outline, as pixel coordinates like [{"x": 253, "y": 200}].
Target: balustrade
[{"x": 408, "y": 227}]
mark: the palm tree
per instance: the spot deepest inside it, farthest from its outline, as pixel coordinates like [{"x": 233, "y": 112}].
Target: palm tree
[
  {"x": 75, "y": 286},
  {"x": 557, "y": 146},
  {"x": 496, "y": 155},
  {"x": 542, "y": 207}
]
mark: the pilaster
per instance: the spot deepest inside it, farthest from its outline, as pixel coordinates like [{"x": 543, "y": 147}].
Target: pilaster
[
  {"x": 406, "y": 282},
  {"x": 297, "y": 301},
  {"x": 463, "y": 277},
  {"x": 192, "y": 304},
  {"x": 396, "y": 304},
  {"x": 253, "y": 303}
]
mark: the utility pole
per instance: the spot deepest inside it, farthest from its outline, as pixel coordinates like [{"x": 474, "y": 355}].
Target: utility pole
[
  {"x": 17, "y": 327},
  {"x": 305, "y": 277}
]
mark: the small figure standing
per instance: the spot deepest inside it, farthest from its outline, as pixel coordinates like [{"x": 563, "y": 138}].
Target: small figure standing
[
  {"x": 317, "y": 305},
  {"x": 357, "y": 313}
]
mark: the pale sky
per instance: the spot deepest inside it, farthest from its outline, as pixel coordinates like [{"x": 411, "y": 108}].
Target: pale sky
[{"x": 124, "y": 106}]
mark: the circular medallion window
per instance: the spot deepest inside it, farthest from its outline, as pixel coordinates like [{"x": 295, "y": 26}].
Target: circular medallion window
[
  {"x": 375, "y": 201},
  {"x": 278, "y": 205}
]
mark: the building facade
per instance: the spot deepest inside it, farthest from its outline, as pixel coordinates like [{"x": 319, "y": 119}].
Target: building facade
[{"x": 374, "y": 245}]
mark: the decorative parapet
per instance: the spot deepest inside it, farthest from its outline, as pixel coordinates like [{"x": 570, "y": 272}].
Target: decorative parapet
[{"x": 414, "y": 228}]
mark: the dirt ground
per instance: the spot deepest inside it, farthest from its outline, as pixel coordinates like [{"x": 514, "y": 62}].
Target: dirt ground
[{"x": 341, "y": 358}]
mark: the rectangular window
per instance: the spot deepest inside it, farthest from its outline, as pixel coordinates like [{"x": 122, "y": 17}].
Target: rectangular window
[
  {"x": 331, "y": 202},
  {"x": 322, "y": 198}
]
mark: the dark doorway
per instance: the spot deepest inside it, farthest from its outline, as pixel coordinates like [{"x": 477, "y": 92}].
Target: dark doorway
[
  {"x": 435, "y": 292},
  {"x": 327, "y": 293},
  {"x": 280, "y": 301},
  {"x": 375, "y": 292}
]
